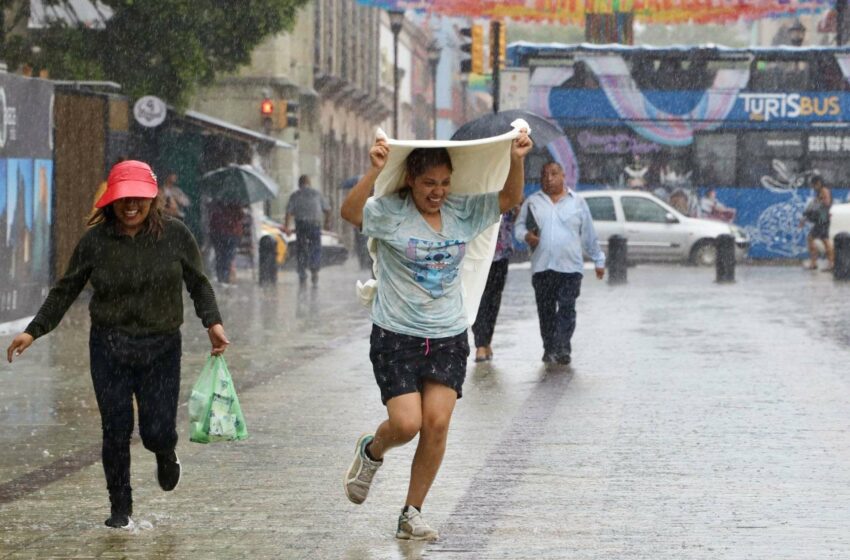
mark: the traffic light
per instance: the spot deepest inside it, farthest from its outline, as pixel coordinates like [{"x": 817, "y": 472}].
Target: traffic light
[
  {"x": 475, "y": 48},
  {"x": 266, "y": 107},
  {"x": 292, "y": 108},
  {"x": 266, "y": 113},
  {"x": 498, "y": 43}
]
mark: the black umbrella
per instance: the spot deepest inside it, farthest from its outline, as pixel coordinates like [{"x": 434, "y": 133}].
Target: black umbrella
[
  {"x": 350, "y": 182},
  {"x": 243, "y": 184},
  {"x": 543, "y": 131}
]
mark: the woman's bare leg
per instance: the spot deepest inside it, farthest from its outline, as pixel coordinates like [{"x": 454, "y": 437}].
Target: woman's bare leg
[
  {"x": 438, "y": 402},
  {"x": 813, "y": 252},
  {"x": 403, "y": 423}
]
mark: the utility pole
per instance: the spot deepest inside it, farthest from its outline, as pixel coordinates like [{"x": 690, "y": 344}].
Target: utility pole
[{"x": 496, "y": 58}]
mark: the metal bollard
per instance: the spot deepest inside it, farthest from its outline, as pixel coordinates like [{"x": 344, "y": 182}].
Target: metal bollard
[
  {"x": 618, "y": 249},
  {"x": 841, "y": 245},
  {"x": 268, "y": 260},
  {"x": 725, "y": 262}
]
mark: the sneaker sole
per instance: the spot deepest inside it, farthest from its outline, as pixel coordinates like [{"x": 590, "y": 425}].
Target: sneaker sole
[
  {"x": 409, "y": 537},
  {"x": 350, "y": 467},
  {"x": 130, "y": 525}
]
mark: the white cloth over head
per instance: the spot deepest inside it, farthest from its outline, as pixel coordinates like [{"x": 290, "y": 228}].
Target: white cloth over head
[{"x": 479, "y": 166}]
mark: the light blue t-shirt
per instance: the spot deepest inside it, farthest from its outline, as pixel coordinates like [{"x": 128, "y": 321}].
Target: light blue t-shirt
[{"x": 418, "y": 269}]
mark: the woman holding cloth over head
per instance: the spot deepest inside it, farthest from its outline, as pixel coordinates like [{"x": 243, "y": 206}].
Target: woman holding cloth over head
[
  {"x": 137, "y": 260},
  {"x": 419, "y": 343}
]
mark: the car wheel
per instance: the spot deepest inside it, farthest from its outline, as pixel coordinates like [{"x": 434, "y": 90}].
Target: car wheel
[{"x": 704, "y": 253}]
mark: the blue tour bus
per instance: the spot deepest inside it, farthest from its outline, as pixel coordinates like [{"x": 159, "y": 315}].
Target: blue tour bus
[{"x": 722, "y": 133}]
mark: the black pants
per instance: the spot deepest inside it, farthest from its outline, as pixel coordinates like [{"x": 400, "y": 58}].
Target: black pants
[
  {"x": 308, "y": 247},
  {"x": 491, "y": 300},
  {"x": 556, "y": 294},
  {"x": 225, "y": 251},
  {"x": 124, "y": 366}
]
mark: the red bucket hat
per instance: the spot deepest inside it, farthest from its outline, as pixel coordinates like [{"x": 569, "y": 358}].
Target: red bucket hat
[{"x": 128, "y": 179}]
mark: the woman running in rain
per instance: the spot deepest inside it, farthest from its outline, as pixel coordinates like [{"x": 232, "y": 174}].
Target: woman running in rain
[
  {"x": 137, "y": 261},
  {"x": 419, "y": 345}
]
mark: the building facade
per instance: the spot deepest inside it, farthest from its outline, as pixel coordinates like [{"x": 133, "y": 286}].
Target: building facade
[{"x": 330, "y": 85}]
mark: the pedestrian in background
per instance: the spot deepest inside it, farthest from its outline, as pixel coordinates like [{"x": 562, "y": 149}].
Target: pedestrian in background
[
  {"x": 137, "y": 261},
  {"x": 491, "y": 299},
  {"x": 310, "y": 211},
  {"x": 226, "y": 232},
  {"x": 174, "y": 199},
  {"x": 565, "y": 228},
  {"x": 419, "y": 342},
  {"x": 817, "y": 212}
]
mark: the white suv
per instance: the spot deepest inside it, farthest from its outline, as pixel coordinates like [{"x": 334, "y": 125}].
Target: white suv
[{"x": 657, "y": 231}]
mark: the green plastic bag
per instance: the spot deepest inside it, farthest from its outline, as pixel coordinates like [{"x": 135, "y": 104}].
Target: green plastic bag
[{"x": 214, "y": 411}]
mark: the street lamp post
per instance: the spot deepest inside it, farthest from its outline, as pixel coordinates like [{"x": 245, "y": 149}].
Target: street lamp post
[
  {"x": 841, "y": 21},
  {"x": 464, "y": 80},
  {"x": 396, "y": 23},
  {"x": 433, "y": 60}
]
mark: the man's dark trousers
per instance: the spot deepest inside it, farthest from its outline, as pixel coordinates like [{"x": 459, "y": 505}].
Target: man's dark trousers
[
  {"x": 556, "y": 294},
  {"x": 308, "y": 247}
]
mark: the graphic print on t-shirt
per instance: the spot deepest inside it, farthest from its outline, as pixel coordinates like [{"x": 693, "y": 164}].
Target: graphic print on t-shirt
[{"x": 435, "y": 263}]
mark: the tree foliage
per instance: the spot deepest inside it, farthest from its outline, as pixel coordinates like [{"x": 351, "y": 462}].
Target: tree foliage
[{"x": 163, "y": 47}]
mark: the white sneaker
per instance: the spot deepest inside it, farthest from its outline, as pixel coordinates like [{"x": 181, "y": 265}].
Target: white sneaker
[
  {"x": 358, "y": 479},
  {"x": 411, "y": 526}
]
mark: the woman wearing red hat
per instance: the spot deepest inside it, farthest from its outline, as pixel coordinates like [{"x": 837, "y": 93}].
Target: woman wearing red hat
[{"x": 136, "y": 313}]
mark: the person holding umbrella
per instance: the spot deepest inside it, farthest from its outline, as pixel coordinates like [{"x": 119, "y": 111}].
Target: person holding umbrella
[
  {"x": 419, "y": 343},
  {"x": 137, "y": 261},
  {"x": 226, "y": 232},
  {"x": 227, "y": 191}
]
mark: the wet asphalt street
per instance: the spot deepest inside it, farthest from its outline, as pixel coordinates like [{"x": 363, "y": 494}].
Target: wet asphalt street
[{"x": 697, "y": 421}]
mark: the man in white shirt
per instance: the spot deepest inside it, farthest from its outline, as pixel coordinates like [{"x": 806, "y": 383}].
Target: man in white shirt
[{"x": 556, "y": 224}]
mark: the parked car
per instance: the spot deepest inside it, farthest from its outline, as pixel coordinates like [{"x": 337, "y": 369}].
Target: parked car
[
  {"x": 839, "y": 219},
  {"x": 657, "y": 231},
  {"x": 333, "y": 250}
]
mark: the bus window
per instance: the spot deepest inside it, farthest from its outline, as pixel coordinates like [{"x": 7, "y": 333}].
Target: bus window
[
  {"x": 599, "y": 169},
  {"x": 582, "y": 78},
  {"x": 833, "y": 172},
  {"x": 826, "y": 75},
  {"x": 828, "y": 152},
  {"x": 759, "y": 152},
  {"x": 716, "y": 159},
  {"x": 779, "y": 76}
]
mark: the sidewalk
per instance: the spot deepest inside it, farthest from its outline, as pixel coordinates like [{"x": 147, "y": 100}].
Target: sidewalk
[{"x": 698, "y": 421}]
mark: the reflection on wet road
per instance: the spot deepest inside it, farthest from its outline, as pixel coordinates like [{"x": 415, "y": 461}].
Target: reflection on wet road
[{"x": 696, "y": 421}]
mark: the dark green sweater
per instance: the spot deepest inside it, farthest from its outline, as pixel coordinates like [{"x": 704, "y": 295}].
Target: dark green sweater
[{"x": 137, "y": 282}]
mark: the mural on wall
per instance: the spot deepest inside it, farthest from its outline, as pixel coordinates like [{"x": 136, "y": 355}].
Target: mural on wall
[
  {"x": 26, "y": 194},
  {"x": 775, "y": 231}
]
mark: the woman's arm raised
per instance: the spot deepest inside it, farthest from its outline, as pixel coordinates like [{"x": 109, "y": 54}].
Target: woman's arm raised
[
  {"x": 511, "y": 193},
  {"x": 352, "y": 207}
]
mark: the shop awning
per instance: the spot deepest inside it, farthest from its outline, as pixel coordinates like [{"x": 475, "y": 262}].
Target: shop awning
[{"x": 241, "y": 133}]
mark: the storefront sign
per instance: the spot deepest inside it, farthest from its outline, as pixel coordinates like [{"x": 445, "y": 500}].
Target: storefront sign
[{"x": 150, "y": 111}]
